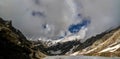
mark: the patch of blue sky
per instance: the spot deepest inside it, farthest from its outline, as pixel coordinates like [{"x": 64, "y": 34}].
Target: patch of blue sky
[{"x": 75, "y": 28}]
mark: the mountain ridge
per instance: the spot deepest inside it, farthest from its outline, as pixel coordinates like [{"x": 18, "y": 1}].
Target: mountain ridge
[{"x": 15, "y": 45}]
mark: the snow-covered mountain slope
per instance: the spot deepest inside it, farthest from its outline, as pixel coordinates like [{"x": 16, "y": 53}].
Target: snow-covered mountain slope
[{"x": 79, "y": 36}]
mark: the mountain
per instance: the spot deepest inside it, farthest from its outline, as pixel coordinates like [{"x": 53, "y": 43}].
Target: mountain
[
  {"x": 104, "y": 44},
  {"x": 14, "y": 45}
]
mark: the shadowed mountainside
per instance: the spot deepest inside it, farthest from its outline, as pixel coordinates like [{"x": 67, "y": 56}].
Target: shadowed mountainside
[{"x": 13, "y": 44}]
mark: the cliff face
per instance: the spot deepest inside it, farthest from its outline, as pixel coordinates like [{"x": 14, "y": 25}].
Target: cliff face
[{"x": 13, "y": 44}]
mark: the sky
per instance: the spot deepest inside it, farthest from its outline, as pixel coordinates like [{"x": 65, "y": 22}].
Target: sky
[{"x": 55, "y": 18}]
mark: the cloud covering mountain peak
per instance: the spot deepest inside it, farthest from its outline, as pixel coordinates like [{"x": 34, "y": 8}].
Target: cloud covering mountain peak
[{"x": 52, "y": 19}]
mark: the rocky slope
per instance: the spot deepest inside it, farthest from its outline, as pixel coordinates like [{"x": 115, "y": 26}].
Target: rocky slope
[
  {"x": 13, "y": 45},
  {"x": 107, "y": 45}
]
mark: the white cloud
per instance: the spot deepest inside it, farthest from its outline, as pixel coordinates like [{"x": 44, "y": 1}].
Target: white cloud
[{"x": 59, "y": 15}]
